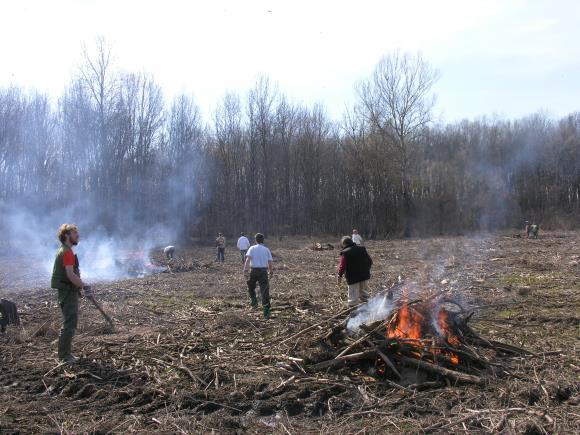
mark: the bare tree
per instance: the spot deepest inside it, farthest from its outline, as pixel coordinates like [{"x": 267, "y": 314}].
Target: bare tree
[
  {"x": 397, "y": 102},
  {"x": 261, "y": 121},
  {"x": 96, "y": 76},
  {"x": 233, "y": 167},
  {"x": 181, "y": 159},
  {"x": 113, "y": 148}
]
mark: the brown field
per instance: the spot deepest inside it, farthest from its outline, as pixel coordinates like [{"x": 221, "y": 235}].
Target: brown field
[{"x": 189, "y": 355}]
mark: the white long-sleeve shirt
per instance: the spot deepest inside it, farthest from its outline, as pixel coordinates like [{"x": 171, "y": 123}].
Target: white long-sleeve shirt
[{"x": 357, "y": 239}]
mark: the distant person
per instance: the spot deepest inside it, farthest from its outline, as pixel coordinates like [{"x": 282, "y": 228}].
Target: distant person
[
  {"x": 220, "y": 243},
  {"x": 355, "y": 263},
  {"x": 66, "y": 278},
  {"x": 532, "y": 230},
  {"x": 243, "y": 246},
  {"x": 356, "y": 238},
  {"x": 169, "y": 251},
  {"x": 259, "y": 264}
]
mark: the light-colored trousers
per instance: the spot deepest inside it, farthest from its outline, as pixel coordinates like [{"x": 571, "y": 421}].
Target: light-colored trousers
[{"x": 356, "y": 291}]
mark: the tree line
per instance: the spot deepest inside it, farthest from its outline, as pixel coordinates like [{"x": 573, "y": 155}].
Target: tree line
[{"x": 112, "y": 147}]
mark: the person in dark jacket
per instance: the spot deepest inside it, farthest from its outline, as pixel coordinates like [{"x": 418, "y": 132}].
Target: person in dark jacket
[{"x": 355, "y": 264}]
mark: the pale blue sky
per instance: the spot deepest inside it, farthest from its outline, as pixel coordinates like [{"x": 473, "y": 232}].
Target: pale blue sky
[{"x": 509, "y": 57}]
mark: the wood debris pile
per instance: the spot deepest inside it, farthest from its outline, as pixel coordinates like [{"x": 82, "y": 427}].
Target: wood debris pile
[
  {"x": 138, "y": 264},
  {"x": 176, "y": 265},
  {"x": 318, "y": 246},
  {"x": 414, "y": 340}
]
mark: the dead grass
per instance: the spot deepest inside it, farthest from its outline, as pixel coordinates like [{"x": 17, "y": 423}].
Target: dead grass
[{"x": 188, "y": 355}]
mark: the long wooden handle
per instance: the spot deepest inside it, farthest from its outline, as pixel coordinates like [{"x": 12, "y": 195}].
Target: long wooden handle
[{"x": 105, "y": 315}]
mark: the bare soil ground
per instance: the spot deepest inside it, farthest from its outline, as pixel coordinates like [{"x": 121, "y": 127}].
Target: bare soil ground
[{"x": 189, "y": 355}]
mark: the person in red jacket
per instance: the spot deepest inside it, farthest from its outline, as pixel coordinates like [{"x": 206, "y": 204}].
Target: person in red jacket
[{"x": 355, "y": 264}]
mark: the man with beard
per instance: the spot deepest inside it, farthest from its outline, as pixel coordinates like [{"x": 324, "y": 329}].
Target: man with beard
[{"x": 66, "y": 278}]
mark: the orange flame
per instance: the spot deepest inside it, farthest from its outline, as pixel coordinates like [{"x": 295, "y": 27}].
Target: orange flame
[
  {"x": 447, "y": 332},
  {"x": 407, "y": 324},
  {"x": 445, "y": 327}
]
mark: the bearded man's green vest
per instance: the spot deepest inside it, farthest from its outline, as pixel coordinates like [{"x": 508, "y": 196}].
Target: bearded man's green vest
[{"x": 59, "y": 278}]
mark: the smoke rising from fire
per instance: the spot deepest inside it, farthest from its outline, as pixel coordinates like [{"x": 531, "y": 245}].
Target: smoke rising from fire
[
  {"x": 377, "y": 308},
  {"x": 115, "y": 242}
]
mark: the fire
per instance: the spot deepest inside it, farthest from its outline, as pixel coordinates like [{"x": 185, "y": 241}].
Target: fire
[
  {"x": 446, "y": 330},
  {"x": 445, "y": 327},
  {"x": 430, "y": 329},
  {"x": 454, "y": 358},
  {"x": 406, "y": 325}
]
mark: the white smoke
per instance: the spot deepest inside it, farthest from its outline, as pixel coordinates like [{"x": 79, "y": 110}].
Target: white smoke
[
  {"x": 30, "y": 233},
  {"x": 107, "y": 259},
  {"x": 377, "y": 308}
]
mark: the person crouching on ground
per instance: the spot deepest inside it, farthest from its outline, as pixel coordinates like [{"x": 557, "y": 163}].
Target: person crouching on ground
[
  {"x": 169, "y": 252},
  {"x": 243, "y": 246},
  {"x": 66, "y": 278},
  {"x": 355, "y": 263},
  {"x": 259, "y": 264}
]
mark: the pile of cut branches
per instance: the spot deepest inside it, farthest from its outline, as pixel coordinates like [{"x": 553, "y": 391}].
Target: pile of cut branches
[
  {"x": 422, "y": 335},
  {"x": 318, "y": 246},
  {"x": 180, "y": 264}
]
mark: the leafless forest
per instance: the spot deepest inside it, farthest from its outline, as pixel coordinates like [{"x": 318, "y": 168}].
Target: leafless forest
[
  {"x": 471, "y": 326},
  {"x": 113, "y": 147}
]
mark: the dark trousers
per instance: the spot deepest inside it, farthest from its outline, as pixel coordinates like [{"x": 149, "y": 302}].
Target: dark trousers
[
  {"x": 243, "y": 254},
  {"x": 221, "y": 255},
  {"x": 68, "y": 300},
  {"x": 260, "y": 276}
]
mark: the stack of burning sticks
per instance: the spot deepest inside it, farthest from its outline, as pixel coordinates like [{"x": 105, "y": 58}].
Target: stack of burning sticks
[
  {"x": 138, "y": 264},
  {"x": 396, "y": 335}
]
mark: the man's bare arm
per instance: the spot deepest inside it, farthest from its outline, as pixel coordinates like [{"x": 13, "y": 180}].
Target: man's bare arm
[
  {"x": 270, "y": 267},
  {"x": 73, "y": 277},
  {"x": 247, "y": 264}
]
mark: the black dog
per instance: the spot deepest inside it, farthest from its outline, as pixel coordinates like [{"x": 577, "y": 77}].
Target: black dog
[{"x": 9, "y": 314}]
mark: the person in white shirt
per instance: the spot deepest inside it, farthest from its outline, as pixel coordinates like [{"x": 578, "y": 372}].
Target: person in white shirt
[
  {"x": 259, "y": 265},
  {"x": 243, "y": 246},
  {"x": 169, "y": 251},
  {"x": 356, "y": 238}
]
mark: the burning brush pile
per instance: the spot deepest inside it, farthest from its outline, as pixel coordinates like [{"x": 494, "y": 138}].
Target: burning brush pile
[
  {"x": 414, "y": 340},
  {"x": 138, "y": 264}
]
